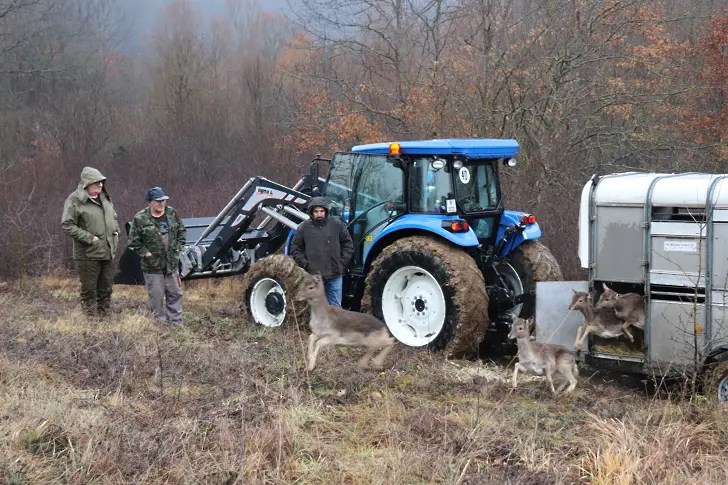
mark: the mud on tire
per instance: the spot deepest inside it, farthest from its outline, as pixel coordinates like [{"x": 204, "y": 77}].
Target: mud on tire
[
  {"x": 284, "y": 270},
  {"x": 714, "y": 381},
  {"x": 534, "y": 262},
  {"x": 463, "y": 286}
]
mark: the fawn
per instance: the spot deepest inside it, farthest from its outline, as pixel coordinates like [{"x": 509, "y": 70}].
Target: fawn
[
  {"x": 602, "y": 322},
  {"x": 629, "y": 307},
  {"x": 332, "y": 325},
  {"x": 542, "y": 359}
]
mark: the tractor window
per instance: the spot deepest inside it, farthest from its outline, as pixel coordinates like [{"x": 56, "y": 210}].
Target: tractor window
[
  {"x": 477, "y": 187},
  {"x": 379, "y": 181},
  {"x": 430, "y": 187},
  {"x": 341, "y": 180}
]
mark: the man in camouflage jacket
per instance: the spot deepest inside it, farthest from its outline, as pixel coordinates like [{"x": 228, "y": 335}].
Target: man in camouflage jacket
[
  {"x": 90, "y": 220},
  {"x": 158, "y": 235}
]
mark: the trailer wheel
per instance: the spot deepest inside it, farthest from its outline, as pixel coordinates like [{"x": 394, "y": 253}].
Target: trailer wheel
[
  {"x": 533, "y": 262},
  {"x": 429, "y": 294},
  {"x": 716, "y": 382},
  {"x": 269, "y": 287}
]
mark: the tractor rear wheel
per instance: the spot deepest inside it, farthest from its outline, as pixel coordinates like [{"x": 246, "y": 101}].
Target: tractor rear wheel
[
  {"x": 269, "y": 287},
  {"x": 429, "y": 294},
  {"x": 533, "y": 262}
]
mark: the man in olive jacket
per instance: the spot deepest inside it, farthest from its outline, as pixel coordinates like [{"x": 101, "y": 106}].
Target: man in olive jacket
[
  {"x": 323, "y": 245},
  {"x": 90, "y": 220},
  {"x": 158, "y": 236}
]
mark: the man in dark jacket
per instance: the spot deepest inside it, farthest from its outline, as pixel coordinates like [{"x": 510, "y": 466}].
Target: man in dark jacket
[
  {"x": 90, "y": 220},
  {"x": 158, "y": 236},
  {"x": 323, "y": 245}
]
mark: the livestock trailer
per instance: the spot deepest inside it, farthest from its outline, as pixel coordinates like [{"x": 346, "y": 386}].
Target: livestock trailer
[{"x": 665, "y": 237}]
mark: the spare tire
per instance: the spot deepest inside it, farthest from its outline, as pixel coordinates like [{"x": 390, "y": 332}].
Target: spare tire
[{"x": 430, "y": 294}]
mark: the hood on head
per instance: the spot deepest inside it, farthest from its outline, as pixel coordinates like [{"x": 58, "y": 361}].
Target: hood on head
[
  {"x": 90, "y": 175},
  {"x": 318, "y": 202}
]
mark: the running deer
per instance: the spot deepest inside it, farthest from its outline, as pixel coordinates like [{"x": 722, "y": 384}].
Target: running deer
[
  {"x": 602, "y": 322},
  {"x": 553, "y": 361},
  {"x": 332, "y": 325},
  {"x": 629, "y": 307}
]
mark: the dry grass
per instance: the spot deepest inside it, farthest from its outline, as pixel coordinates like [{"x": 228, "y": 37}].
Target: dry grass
[{"x": 221, "y": 401}]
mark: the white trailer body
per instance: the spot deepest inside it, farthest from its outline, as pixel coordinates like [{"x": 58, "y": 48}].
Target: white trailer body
[{"x": 664, "y": 236}]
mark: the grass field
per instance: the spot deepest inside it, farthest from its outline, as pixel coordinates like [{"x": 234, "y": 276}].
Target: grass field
[{"x": 221, "y": 401}]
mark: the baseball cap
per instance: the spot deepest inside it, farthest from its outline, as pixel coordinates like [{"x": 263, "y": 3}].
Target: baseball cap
[{"x": 156, "y": 193}]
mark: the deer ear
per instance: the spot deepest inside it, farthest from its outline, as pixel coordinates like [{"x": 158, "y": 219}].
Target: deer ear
[
  {"x": 575, "y": 292},
  {"x": 606, "y": 288}
]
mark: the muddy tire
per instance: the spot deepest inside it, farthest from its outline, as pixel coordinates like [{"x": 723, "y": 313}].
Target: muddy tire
[
  {"x": 269, "y": 289},
  {"x": 715, "y": 382},
  {"x": 534, "y": 262},
  {"x": 429, "y": 294}
]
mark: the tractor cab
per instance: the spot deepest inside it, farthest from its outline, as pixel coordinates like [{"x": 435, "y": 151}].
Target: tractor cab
[{"x": 449, "y": 188}]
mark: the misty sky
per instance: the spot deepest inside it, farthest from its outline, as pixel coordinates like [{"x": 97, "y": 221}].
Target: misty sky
[{"x": 144, "y": 14}]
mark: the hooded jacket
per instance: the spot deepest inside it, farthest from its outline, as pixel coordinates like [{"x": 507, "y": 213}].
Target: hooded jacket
[
  {"x": 83, "y": 218},
  {"x": 324, "y": 246}
]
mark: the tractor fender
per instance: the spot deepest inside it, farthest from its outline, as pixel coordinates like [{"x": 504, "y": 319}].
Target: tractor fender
[
  {"x": 410, "y": 224},
  {"x": 532, "y": 231}
]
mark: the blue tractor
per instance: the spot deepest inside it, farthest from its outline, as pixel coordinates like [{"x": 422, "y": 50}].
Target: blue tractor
[{"x": 436, "y": 256}]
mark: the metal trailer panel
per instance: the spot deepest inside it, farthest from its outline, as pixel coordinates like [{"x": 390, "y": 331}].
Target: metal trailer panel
[
  {"x": 720, "y": 256},
  {"x": 555, "y": 323},
  {"x": 671, "y": 340},
  {"x": 719, "y": 320},
  {"x": 680, "y": 256},
  {"x": 619, "y": 242}
]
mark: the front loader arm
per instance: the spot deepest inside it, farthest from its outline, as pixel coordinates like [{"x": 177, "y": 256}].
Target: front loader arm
[{"x": 258, "y": 195}]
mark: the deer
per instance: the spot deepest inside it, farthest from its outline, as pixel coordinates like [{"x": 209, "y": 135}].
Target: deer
[
  {"x": 602, "y": 322},
  {"x": 630, "y": 307},
  {"x": 332, "y": 325},
  {"x": 542, "y": 359}
]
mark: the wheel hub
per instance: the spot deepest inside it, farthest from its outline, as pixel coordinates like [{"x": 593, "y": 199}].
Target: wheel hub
[
  {"x": 274, "y": 303},
  {"x": 413, "y": 306}
]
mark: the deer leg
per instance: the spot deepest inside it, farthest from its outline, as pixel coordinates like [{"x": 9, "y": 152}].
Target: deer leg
[
  {"x": 580, "y": 342},
  {"x": 578, "y": 336},
  {"x": 364, "y": 361},
  {"x": 516, "y": 368},
  {"x": 625, "y": 326},
  {"x": 320, "y": 343},
  {"x": 378, "y": 361},
  {"x": 572, "y": 381},
  {"x": 562, "y": 385},
  {"x": 549, "y": 377},
  {"x": 309, "y": 355}
]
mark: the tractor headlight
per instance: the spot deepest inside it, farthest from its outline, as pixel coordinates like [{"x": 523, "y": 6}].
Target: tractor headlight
[
  {"x": 457, "y": 164},
  {"x": 509, "y": 162}
]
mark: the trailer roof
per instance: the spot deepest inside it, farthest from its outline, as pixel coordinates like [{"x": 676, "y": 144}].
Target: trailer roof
[
  {"x": 670, "y": 190},
  {"x": 470, "y": 147}
]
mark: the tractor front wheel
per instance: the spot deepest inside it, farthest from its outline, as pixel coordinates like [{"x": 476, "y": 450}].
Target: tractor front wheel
[
  {"x": 269, "y": 287},
  {"x": 533, "y": 262},
  {"x": 429, "y": 294}
]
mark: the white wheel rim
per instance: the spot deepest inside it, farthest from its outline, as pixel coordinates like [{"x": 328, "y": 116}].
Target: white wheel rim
[
  {"x": 258, "y": 309},
  {"x": 413, "y": 306},
  {"x": 509, "y": 273},
  {"x": 723, "y": 390}
]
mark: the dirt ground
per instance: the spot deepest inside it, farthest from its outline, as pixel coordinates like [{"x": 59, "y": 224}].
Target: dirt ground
[{"x": 221, "y": 401}]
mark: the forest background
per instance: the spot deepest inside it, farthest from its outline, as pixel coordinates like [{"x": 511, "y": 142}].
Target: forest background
[{"x": 208, "y": 97}]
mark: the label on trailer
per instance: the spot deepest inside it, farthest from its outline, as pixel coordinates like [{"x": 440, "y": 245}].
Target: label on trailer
[
  {"x": 369, "y": 238},
  {"x": 451, "y": 207},
  {"x": 464, "y": 175},
  {"x": 681, "y": 246}
]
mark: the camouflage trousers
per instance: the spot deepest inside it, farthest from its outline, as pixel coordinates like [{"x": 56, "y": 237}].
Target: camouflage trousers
[
  {"x": 159, "y": 286},
  {"x": 97, "y": 280}
]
